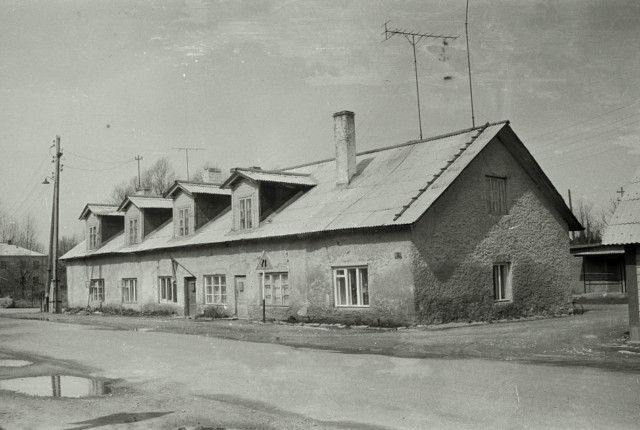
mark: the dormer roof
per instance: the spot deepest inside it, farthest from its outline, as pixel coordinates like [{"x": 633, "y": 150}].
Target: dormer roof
[
  {"x": 192, "y": 188},
  {"x": 273, "y": 176},
  {"x": 100, "y": 209},
  {"x": 146, "y": 202}
]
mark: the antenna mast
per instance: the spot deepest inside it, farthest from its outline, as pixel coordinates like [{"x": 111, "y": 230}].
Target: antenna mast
[
  {"x": 414, "y": 38},
  {"x": 466, "y": 31},
  {"x": 186, "y": 150}
]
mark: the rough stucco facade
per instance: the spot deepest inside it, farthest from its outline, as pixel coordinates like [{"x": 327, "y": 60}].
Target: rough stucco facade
[{"x": 455, "y": 258}]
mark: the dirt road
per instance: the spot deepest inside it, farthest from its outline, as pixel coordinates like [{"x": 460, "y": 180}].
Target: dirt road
[{"x": 166, "y": 380}]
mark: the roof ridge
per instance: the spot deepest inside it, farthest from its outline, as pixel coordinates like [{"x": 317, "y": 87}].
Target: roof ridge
[
  {"x": 198, "y": 183},
  {"x": 149, "y": 197},
  {"x": 411, "y": 142},
  {"x": 276, "y": 172},
  {"x": 102, "y": 204}
]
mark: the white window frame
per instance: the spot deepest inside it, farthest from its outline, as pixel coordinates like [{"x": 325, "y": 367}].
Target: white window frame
[
  {"x": 343, "y": 279},
  {"x": 96, "y": 290},
  {"x": 276, "y": 288},
  {"x": 496, "y": 189},
  {"x": 502, "y": 285},
  {"x": 215, "y": 289},
  {"x": 183, "y": 222},
  {"x": 245, "y": 212},
  {"x": 129, "y": 290},
  {"x": 133, "y": 230},
  {"x": 167, "y": 290},
  {"x": 93, "y": 237}
]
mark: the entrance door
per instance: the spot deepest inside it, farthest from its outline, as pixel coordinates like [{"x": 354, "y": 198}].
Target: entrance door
[
  {"x": 190, "y": 297},
  {"x": 242, "y": 310}
]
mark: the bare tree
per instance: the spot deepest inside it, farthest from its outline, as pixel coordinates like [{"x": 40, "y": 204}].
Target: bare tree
[
  {"x": 158, "y": 178},
  {"x": 591, "y": 220}
]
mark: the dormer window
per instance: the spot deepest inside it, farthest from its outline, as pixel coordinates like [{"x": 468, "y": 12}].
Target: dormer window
[
  {"x": 183, "y": 222},
  {"x": 93, "y": 237},
  {"x": 246, "y": 219},
  {"x": 133, "y": 231}
]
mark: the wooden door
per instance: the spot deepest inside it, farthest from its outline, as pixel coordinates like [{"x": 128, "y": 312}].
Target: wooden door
[
  {"x": 190, "y": 305},
  {"x": 242, "y": 311}
]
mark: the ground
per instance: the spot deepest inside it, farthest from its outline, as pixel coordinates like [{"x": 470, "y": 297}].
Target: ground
[{"x": 167, "y": 373}]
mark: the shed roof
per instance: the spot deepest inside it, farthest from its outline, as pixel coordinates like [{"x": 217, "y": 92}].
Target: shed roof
[
  {"x": 393, "y": 186},
  {"x": 101, "y": 209},
  {"x": 259, "y": 175},
  {"x": 146, "y": 202},
  {"x": 197, "y": 188},
  {"x": 11, "y": 250},
  {"x": 624, "y": 226}
]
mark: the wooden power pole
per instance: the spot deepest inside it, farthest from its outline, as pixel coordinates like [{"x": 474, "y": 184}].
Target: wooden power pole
[{"x": 54, "y": 305}]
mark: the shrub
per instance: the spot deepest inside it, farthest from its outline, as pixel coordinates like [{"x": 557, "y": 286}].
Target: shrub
[
  {"x": 7, "y": 302},
  {"x": 153, "y": 309},
  {"x": 215, "y": 312}
]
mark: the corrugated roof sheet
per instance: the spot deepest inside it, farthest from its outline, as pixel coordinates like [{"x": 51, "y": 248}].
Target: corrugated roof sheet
[
  {"x": 199, "y": 188},
  {"x": 624, "y": 226},
  {"x": 387, "y": 181},
  {"x": 601, "y": 252},
  {"x": 147, "y": 202},
  {"x": 279, "y": 177},
  {"x": 100, "y": 209},
  {"x": 10, "y": 250}
]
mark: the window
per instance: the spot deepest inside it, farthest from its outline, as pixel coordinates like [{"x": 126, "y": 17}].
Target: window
[
  {"x": 93, "y": 237},
  {"x": 129, "y": 290},
  {"x": 36, "y": 264},
  {"x": 168, "y": 290},
  {"x": 183, "y": 222},
  {"x": 246, "y": 220},
  {"x": 3, "y": 265},
  {"x": 133, "y": 231},
  {"x": 496, "y": 195},
  {"x": 502, "y": 282},
  {"x": 96, "y": 290},
  {"x": 352, "y": 286},
  {"x": 35, "y": 279},
  {"x": 276, "y": 289},
  {"x": 215, "y": 289}
]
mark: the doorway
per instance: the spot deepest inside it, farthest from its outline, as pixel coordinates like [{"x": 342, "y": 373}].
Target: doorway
[
  {"x": 242, "y": 310},
  {"x": 190, "y": 305}
]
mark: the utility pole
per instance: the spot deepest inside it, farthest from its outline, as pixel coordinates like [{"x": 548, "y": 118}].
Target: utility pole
[
  {"x": 186, "y": 150},
  {"x": 138, "y": 158},
  {"x": 415, "y": 38},
  {"x": 55, "y": 288},
  {"x": 573, "y": 234}
]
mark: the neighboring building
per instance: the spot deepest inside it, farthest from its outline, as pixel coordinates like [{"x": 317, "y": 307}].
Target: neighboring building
[
  {"x": 23, "y": 273},
  {"x": 624, "y": 230},
  {"x": 463, "y": 226},
  {"x": 599, "y": 269}
]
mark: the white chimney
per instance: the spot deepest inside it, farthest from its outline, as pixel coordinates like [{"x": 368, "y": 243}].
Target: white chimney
[
  {"x": 213, "y": 175},
  {"x": 344, "y": 132},
  {"x": 143, "y": 191}
]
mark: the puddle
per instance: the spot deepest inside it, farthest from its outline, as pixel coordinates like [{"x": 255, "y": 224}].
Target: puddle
[
  {"x": 55, "y": 386},
  {"x": 14, "y": 363},
  {"x": 141, "y": 329}
]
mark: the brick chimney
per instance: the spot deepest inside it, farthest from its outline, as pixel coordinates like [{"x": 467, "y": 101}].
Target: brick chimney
[
  {"x": 344, "y": 132},
  {"x": 213, "y": 175},
  {"x": 143, "y": 191}
]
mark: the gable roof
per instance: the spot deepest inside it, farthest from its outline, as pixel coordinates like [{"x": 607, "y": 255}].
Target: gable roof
[
  {"x": 11, "y": 250},
  {"x": 146, "y": 202},
  {"x": 624, "y": 225},
  {"x": 393, "y": 186},
  {"x": 259, "y": 175},
  {"x": 197, "y": 188},
  {"x": 100, "y": 209}
]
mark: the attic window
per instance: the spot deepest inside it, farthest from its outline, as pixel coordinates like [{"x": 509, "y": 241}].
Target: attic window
[
  {"x": 245, "y": 212},
  {"x": 496, "y": 193},
  {"x": 93, "y": 237},
  {"x": 133, "y": 231},
  {"x": 183, "y": 222}
]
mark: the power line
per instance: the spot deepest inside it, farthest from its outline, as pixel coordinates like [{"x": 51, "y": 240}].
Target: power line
[{"x": 94, "y": 160}]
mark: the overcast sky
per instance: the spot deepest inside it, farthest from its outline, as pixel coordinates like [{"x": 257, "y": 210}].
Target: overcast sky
[{"x": 255, "y": 83}]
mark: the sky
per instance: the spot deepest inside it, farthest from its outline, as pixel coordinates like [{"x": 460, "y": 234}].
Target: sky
[{"x": 255, "y": 83}]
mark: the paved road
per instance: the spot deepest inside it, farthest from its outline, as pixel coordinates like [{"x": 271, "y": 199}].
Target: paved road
[{"x": 251, "y": 385}]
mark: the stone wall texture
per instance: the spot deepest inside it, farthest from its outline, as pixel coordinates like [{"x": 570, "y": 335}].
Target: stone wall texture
[{"x": 457, "y": 242}]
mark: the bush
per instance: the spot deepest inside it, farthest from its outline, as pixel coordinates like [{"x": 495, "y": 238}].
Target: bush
[
  {"x": 215, "y": 312},
  {"x": 7, "y": 302},
  {"x": 153, "y": 309}
]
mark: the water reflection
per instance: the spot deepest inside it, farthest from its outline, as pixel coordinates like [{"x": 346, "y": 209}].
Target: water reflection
[
  {"x": 14, "y": 363},
  {"x": 55, "y": 386}
]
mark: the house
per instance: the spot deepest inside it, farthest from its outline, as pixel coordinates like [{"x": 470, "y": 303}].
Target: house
[
  {"x": 102, "y": 222},
  {"x": 599, "y": 269},
  {"x": 463, "y": 226},
  {"x": 624, "y": 230},
  {"x": 23, "y": 272}
]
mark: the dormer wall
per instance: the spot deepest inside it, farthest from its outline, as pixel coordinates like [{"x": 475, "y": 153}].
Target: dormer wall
[
  {"x": 110, "y": 226},
  {"x": 92, "y": 227},
  {"x": 207, "y": 207},
  {"x": 133, "y": 224},
  {"x": 154, "y": 218},
  {"x": 183, "y": 202},
  {"x": 273, "y": 196},
  {"x": 242, "y": 194}
]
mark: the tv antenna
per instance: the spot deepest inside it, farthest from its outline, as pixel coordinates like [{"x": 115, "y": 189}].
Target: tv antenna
[
  {"x": 466, "y": 32},
  {"x": 186, "y": 150},
  {"x": 414, "y": 38}
]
